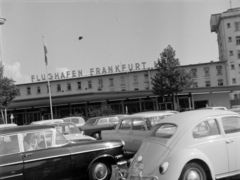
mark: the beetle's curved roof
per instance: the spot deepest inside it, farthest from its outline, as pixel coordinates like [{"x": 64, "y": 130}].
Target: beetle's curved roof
[
  {"x": 24, "y": 128},
  {"x": 185, "y": 118}
]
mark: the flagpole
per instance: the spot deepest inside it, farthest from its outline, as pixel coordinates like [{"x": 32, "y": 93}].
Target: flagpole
[{"x": 49, "y": 89}]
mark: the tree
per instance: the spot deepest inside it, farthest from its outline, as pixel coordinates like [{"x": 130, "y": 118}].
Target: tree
[
  {"x": 8, "y": 91},
  {"x": 101, "y": 111},
  {"x": 170, "y": 79}
]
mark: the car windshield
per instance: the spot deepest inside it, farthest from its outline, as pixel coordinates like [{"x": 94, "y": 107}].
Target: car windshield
[
  {"x": 60, "y": 139},
  {"x": 164, "y": 131},
  {"x": 91, "y": 121}
]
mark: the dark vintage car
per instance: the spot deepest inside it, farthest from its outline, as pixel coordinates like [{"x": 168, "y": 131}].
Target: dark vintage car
[
  {"x": 95, "y": 125},
  {"x": 42, "y": 152}
]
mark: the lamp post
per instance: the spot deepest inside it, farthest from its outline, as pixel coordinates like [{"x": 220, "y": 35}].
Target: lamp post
[{"x": 2, "y": 21}]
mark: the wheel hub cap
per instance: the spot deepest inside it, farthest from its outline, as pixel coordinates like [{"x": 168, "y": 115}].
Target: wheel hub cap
[
  {"x": 193, "y": 175},
  {"x": 100, "y": 171}
]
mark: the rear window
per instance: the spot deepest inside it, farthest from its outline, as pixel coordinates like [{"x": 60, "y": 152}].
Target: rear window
[
  {"x": 66, "y": 120},
  {"x": 113, "y": 119},
  {"x": 164, "y": 131}
]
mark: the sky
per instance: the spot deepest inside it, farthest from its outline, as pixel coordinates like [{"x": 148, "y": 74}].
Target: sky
[{"x": 114, "y": 32}]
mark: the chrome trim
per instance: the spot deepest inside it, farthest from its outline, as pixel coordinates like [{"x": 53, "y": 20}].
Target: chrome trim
[
  {"x": 227, "y": 174},
  {"x": 119, "y": 156},
  {"x": 91, "y": 150},
  {"x": 49, "y": 157},
  {"x": 9, "y": 164},
  {"x": 6, "y": 177}
]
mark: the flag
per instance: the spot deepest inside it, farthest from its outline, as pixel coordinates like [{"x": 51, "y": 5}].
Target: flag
[{"x": 45, "y": 52}]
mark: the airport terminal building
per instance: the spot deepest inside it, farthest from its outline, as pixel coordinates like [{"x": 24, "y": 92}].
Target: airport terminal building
[{"x": 125, "y": 88}]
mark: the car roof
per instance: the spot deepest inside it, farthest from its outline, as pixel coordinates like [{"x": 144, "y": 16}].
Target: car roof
[
  {"x": 160, "y": 111},
  {"x": 116, "y": 115},
  {"x": 150, "y": 114},
  {"x": 188, "y": 117},
  {"x": 7, "y": 125},
  {"x": 16, "y": 129},
  {"x": 47, "y": 121}
]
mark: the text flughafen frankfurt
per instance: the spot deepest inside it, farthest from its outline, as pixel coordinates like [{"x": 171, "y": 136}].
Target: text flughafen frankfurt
[{"x": 93, "y": 71}]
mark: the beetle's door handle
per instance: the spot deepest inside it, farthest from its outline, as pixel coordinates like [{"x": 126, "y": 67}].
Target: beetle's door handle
[
  {"x": 27, "y": 154},
  {"x": 229, "y": 141}
]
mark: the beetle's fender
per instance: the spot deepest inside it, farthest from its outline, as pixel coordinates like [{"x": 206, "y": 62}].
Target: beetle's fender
[{"x": 179, "y": 159}]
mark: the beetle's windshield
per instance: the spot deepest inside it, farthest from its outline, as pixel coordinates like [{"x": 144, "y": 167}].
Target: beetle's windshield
[{"x": 164, "y": 131}]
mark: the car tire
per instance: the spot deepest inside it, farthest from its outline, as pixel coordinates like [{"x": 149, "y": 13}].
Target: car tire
[
  {"x": 100, "y": 170},
  {"x": 96, "y": 136},
  {"x": 193, "y": 171}
]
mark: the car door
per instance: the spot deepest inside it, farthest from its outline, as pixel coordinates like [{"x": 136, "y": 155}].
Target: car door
[
  {"x": 123, "y": 132},
  {"x": 231, "y": 126},
  {"x": 11, "y": 162},
  {"x": 137, "y": 134},
  {"x": 42, "y": 159}
]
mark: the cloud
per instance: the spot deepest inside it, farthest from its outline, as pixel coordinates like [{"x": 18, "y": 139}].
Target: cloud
[{"x": 14, "y": 71}]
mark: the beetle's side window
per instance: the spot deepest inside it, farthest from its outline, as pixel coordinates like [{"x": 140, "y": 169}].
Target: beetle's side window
[
  {"x": 9, "y": 144},
  {"x": 230, "y": 125},
  {"x": 125, "y": 124},
  {"x": 138, "y": 124},
  {"x": 205, "y": 129}
]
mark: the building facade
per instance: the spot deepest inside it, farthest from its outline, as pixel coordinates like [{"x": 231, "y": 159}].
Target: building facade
[
  {"x": 227, "y": 27},
  {"x": 125, "y": 92}
]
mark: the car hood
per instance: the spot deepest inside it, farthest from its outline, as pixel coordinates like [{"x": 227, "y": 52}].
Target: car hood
[{"x": 149, "y": 157}]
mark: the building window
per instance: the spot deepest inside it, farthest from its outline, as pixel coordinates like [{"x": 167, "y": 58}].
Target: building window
[
  {"x": 208, "y": 83},
  {"x": 230, "y": 53},
  {"x": 232, "y": 67},
  {"x": 237, "y": 26},
  {"x": 206, "y": 70},
  {"x": 38, "y": 90},
  {"x": 234, "y": 81},
  {"x": 28, "y": 90},
  {"x": 79, "y": 84},
  {"x": 146, "y": 80},
  {"x": 194, "y": 72},
  {"x": 229, "y": 39},
  {"x": 111, "y": 81},
  {"x": 238, "y": 54},
  {"x": 228, "y": 25},
  {"x": 58, "y": 88},
  {"x": 100, "y": 83},
  {"x": 47, "y": 89},
  {"x": 235, "y": 96},
  {"x": 220, "y": 82},
  {"x": 195, "y": 85},
  {"x": 122, "y": 80},
  {"x": 219, "y": 70},
  {"x": 89, "y": 84},
  {"x": 135, "y": 79},
  {"x": 237, "y": 40},
  {"x": 69, "y": 88}
]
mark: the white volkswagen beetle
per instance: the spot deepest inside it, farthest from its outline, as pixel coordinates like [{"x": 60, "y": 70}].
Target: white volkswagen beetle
[{"x": 197, "y": 145}]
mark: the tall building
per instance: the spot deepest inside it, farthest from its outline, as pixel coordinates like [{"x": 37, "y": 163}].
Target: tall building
[
  {"x": 227, "y": 27},
  {"x": 2, "y": 21}
]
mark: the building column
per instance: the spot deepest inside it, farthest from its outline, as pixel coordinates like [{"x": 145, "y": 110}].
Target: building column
[
  {"x": 140, "y": 104},
  {"x": 122, "y": 104}
]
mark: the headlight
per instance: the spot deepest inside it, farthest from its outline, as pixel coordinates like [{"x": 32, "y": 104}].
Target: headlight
[{"x": 163, "y": 168}]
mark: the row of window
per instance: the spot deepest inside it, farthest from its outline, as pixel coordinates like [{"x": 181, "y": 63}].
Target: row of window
[
  {"x": 207, "y": 71},
  {"x": 236, "y": 24},
  {"x": 100, "y": 84},
  {"x": 238, "y": 53},
  {"x": 208, "y": 83}
]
